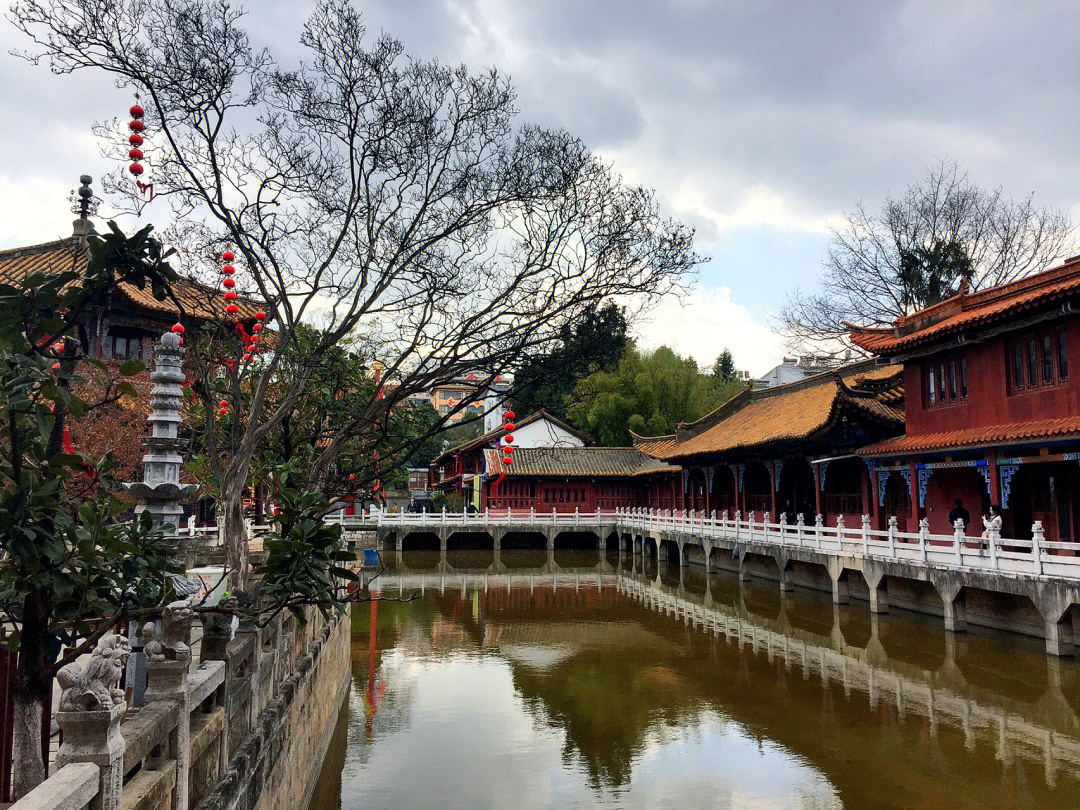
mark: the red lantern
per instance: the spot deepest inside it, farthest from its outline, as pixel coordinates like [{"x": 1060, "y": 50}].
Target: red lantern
[
  {"x": 136, "y": 111},
  {"x": 135, "y": 169},
  {"x": 229, "y": 283},
  {"x": 260, "y": 316},
  {"x": 135, "y": 154},
  {"x": 256, "y": 339},
  {"x": 507, "y": 461},
  {"x": 509, "y": 439},
  {"x": 224, "y": 403},
  {"x": 228, "y": 269},
  {"x": 509, "y": 449},
  {"x": 256, "y": 327},
  {"x": 230, "y": 295},
  {"x": 227, "y": 256},
  {"x": 352, "y": 477},
  {"x": 509, "y": 416},
  {"x": 223, "y": 411},
  {"x": 181, "y": 341},
  {"x": 178, "y": 329},
  {"x": 247, "y": 358},
  {"x": 509, "y": 427},
  {"x": 135, "y": 139},
  {"x": 136, "y": 126},
  {"x": 55, "y": 367},
  {"x": 376, "y": 487},
  {"x": 232, "y": 309}
]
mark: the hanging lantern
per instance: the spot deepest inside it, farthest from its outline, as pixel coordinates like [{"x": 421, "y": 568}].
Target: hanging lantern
[
  {"x": 228, "y": 283},
  {"x": 260, "y": 316},
  {"x": 223, "y": 411},
  {"x": 256, "y": 327},
  {"x": 509, "y": 438},
  {"x": 509, "y": 427},
  {"x": 136, "y": 126},
  {"x": 352, "y": 477},
  {"x": 230, "y": 295},
  {"x": 178, "y": 328},
  {"x": 256, "y": 339},
  {"x": 509, "y": 449},
  {"x": 228, "y": 269},
  {"x": 509, "y": 416},
  {"x": 228, "y": 256},
  {"x": 247, "y": 358},
  {"x": 232, "y": 309},
  {"x": 507, "y": 461},
  {"x": 224, "y": 403}
]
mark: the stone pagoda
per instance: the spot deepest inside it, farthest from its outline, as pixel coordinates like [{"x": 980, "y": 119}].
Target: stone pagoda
[{"x": 160, "y": 492}]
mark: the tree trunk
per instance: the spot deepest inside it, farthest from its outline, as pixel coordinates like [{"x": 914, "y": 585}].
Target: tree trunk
[
  {"x": 32, "y": 689},
  {"x": 236, "y": 541}
]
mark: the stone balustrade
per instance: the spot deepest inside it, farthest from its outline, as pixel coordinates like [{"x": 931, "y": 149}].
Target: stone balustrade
[{"x": 191, "y": 741}]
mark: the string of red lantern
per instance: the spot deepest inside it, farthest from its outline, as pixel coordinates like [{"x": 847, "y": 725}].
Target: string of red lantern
[
  {"x": 135, "y": 141},
  {"x": 507, "y": 450}
]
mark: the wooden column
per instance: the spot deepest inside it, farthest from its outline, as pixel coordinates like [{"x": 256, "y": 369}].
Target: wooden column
[
  {"x": 708, "y": 486},
  {"x": 774, "y": 482},
  {"x": 914, "y": 493},
  {"x": 995, "y": 480},
  {"x": 875, "y": 506},
  {"x": 817, "y": 489}
]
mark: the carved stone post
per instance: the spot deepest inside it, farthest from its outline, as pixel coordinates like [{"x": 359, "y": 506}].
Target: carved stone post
[
  {"x": 167, "y": 663},
  {"x": 91, "y": 708}
]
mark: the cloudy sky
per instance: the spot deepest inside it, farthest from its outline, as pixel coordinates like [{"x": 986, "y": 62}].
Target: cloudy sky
[{"x": 757, "y": 122}]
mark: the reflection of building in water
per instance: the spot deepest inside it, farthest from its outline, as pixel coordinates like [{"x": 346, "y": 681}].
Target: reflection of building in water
[
  {"x": 943, "y": 697},
  {"x": 874, "y": 704}
]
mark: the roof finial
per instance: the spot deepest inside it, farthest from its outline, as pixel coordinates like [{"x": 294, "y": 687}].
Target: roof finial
[{"x": 83, "y": 226}]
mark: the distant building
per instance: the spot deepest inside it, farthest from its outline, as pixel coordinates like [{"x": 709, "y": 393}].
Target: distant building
[
  {"x": 793, "y": 369},
  {"x": 461, "y": 469}
]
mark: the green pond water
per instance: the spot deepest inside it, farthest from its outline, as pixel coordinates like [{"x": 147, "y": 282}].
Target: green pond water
[{"x": 613, "y": 686}]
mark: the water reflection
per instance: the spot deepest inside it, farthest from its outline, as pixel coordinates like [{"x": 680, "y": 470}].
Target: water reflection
[{"x": 560, "y": 684}]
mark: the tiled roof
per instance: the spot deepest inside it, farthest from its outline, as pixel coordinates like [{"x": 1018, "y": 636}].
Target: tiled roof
[
  {"x": 1013, "y": 433},
  {"x": 198, "y": 300},
  {"x": 655, "y": 446},
  {"x": 965, "y": 311},
  {"x": 753, "y": 419},
  {"x": 497, "y": 433},
  {"x": 576, "y": 462}
]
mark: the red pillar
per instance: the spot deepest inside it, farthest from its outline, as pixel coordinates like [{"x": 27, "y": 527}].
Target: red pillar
[
  {"x": 914, "y": 494},
  {"x": 874, "y": 505},
  {"x": 707, "y": 488},
  {"x": 817, "y": 490},
  {"x": 772, "y": 489},
  {"x": 995, "y": 481}
]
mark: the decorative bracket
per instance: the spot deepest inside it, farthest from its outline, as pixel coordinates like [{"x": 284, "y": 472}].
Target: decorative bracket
[
  {"x": 1006, "y": 473},
  {"x": 924, "y": 482}
]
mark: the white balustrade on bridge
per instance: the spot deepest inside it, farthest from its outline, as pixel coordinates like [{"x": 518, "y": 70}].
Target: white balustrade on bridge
[{"x": 988, "y": 552}]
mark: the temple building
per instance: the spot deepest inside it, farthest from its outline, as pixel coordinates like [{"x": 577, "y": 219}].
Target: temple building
[
  {"x": 992, "y": 413},
  {"x": 462, "y": 468},
  {"x": 572, "y": 478},
  {"x": 788, "y": 449}
]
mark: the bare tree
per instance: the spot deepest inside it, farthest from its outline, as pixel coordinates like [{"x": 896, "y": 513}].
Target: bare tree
[
  {"x": 365, "y": 191},
  {"x": 915, "y": 252}
]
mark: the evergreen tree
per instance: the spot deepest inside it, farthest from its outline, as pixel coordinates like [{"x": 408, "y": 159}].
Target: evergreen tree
[{"x": 724, "y": 367}]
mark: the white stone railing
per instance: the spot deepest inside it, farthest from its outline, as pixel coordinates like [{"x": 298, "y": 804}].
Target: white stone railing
[
  {"x": 990, "y": 552},
  {"x": 958, "y": 550},
  {"x": 477, "y": 520}
]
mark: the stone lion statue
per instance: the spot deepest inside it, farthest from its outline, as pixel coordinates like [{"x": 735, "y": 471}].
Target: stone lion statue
[{"x": 94, "y": 684}]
